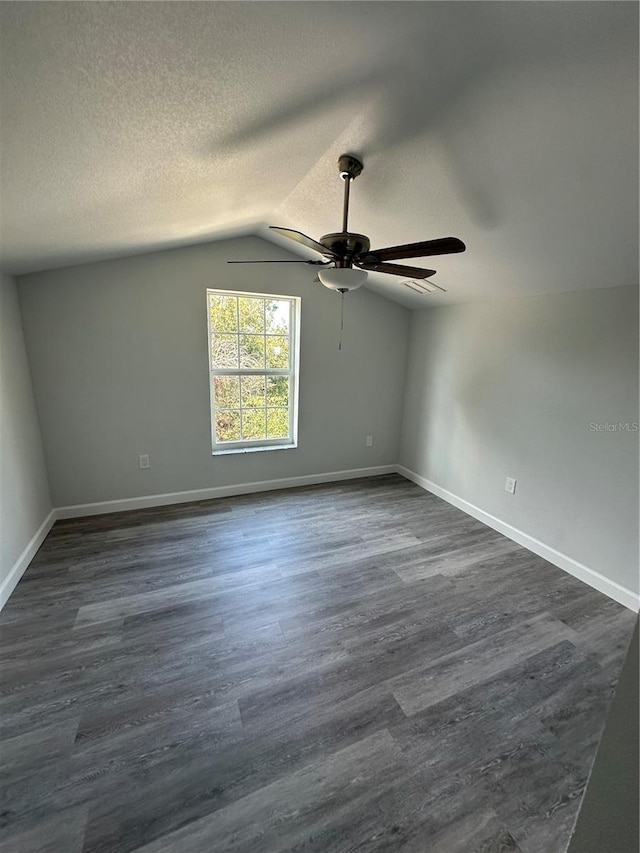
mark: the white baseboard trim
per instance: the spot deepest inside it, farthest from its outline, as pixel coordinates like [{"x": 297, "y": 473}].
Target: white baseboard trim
[
  {"x": 20, "y": 566},
  {"x": 589, "y": 576},
  {"x": 147, "y": 501}
]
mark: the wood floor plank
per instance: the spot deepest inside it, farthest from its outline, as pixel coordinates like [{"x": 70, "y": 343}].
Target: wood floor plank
[
  {"x": 482, "y": 831},
  {"x": 474, "y": 664},
  {"x": 292, "y": 810},
  {"x": 28, "y": 752},
  {"x": 352, "y": 666},
  {"x": 144, "y": 602},
  {"x": 63, "y": 832}
]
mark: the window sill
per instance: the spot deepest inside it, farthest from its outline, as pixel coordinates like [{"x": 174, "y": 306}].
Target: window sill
[{"x": 235, "y": 450}]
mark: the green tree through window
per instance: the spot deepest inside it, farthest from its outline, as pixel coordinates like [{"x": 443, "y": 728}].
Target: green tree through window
[{"x": 253, "y": 344}]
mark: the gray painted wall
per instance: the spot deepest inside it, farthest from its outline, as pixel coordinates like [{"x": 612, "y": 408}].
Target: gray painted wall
[
  {"x": 118, "y": 351},
  {"x": 510, "y": 388},
  {"x": 24, "y": 491}
]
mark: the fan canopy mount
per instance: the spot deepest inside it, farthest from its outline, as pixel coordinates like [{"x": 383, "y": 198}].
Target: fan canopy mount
[
  {"x": 343, "y": 250},
  {"x": 350, "y": 167}
]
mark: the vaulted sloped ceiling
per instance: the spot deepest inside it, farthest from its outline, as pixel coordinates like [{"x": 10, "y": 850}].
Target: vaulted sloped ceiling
[{"x": 127, "y": 127}]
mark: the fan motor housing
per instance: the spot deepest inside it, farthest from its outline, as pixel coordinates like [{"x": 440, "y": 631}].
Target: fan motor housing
[{"x": 345, "y": 244}]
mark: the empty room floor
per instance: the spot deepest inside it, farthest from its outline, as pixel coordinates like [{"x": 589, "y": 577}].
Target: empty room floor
[{"x": 349, "y": 667}]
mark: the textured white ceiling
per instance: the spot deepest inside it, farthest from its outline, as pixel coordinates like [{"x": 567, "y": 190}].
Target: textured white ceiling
[{"x": 127, "y": 127}]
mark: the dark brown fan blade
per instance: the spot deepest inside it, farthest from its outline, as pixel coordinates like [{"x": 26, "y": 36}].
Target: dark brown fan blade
[
  {"x": 444, "y": 246},
  {"x": 299, "y": 237},
  {"x": 397, "y": 269},
  {"x": 301, "y": 261}
]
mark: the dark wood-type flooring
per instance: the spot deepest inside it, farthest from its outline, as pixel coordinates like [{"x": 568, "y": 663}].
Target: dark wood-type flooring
[{"x": 350, "y": 667}]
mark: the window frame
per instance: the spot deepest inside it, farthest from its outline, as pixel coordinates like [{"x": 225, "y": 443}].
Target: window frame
[{"x": 219, "y": 448}]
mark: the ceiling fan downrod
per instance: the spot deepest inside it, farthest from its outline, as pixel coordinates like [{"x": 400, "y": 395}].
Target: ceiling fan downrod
[{"x": 350, "y": 168}]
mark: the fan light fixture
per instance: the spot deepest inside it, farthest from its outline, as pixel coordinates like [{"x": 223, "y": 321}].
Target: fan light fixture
[{"x": 342, "y": 279}]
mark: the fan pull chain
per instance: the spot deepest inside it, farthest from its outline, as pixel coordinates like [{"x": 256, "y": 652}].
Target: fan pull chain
[{"x": 341, "y": 319}]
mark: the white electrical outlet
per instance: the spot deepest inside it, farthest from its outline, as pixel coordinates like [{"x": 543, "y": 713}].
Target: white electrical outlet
[
  {"x": 143, "y": 461},
  {"x": 510, "y": 486},
  {"x": 369, "y": 441}
]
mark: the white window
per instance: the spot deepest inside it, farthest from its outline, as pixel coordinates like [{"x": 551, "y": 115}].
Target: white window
[{"x": 253, "y": 354}]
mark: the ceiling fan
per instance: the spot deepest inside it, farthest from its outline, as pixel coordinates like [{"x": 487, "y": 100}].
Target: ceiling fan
[{"x": 348, "y": 256}]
